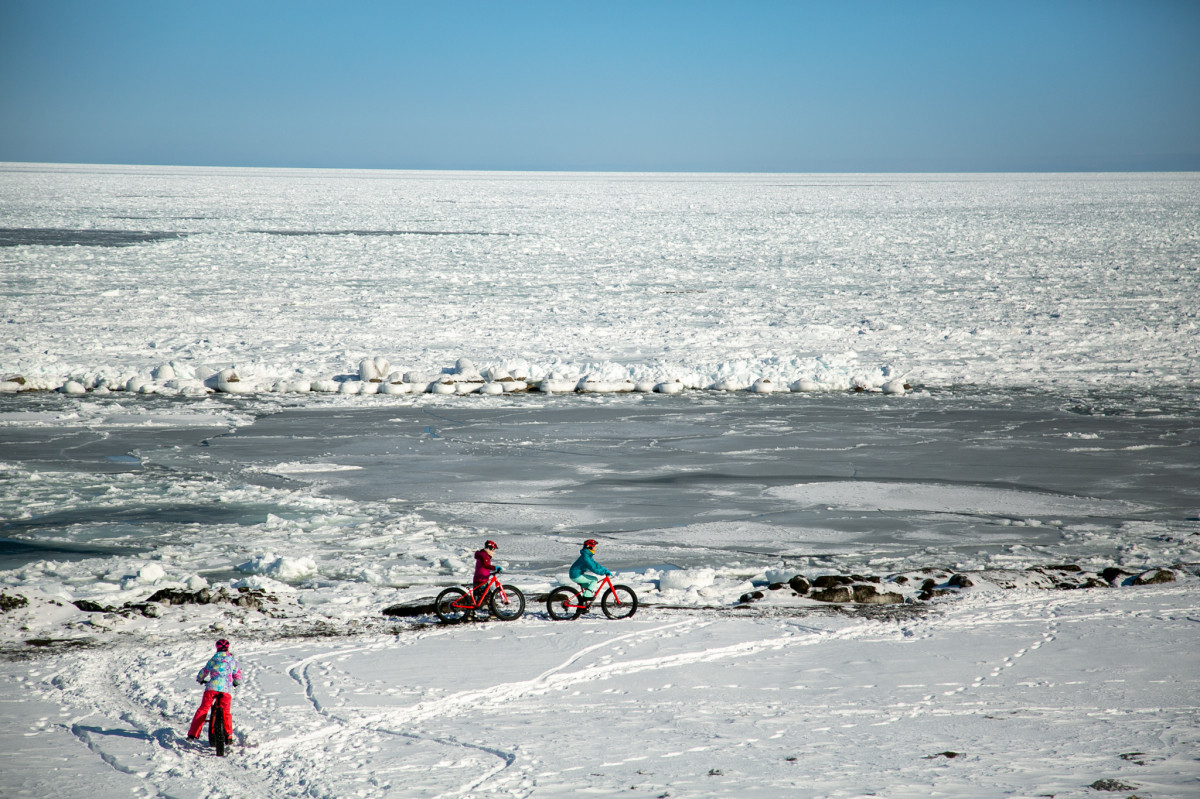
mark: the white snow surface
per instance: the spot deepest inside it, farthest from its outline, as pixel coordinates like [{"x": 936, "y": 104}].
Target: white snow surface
[
  {"x": 1035, "y": 694},
  {"x": 307, "y": 280},
  {"x": 313, "y": 384}
]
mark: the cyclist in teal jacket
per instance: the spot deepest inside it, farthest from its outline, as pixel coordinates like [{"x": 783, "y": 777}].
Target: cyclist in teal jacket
[{"x": 586, "y": 562}]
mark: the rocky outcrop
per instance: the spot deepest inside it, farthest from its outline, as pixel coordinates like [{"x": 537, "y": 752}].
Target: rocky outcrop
[
  {"x": 869, "y": 595},
  {"x": 419, "y": 607},
  {"x": 837, "y": 593},
  {"x": 8, "y": 603},
  {"x": 1154, "y": 577},
  {"x": 151, "y": 607},
  {"x": 931, "y": 584},
  {"x": 1111, "y": 785},
  {"x": 800, "y": 585}
]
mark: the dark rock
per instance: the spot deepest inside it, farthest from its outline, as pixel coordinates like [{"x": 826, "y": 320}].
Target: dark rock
[
  {"x": 947, "y": 754},
  {"x": 831, "y": 581},
  {"x": 799, "y": 584},
  {"x": 930, "y": 593},
  {"x": 12, "y": 602},
  {"x": 750, "y": 597},
  {"x": 929, "y": 584},
  {"x": 151, "y": 610},
  {"x": 250, "y": 599},
  {"x": 776, "y": 586},
  {"x": 1112, "y": 573},
  {"x": 836, "y": 594},
  {"x": 1140, "y": 758},
  {"x": 901, "y": 579},
  {"x": 88, "y": 606},
  {"x": 418, "y": 607},
  {"x": 175, "y": 596},
  {"x": 253, "y": 598},
  {"x": 869, "y": 595},
  {"x": 1065, "y": 567},
  {"x": 960, "y": 581},
  {"x": 1155, "y": 577},
  {"x": 1111, "y": 785}
]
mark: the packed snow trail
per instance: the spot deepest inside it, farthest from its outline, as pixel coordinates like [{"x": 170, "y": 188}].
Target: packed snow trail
[{"x": 1035, "y": 692}]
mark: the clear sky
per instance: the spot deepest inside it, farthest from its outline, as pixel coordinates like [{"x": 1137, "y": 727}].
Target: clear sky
[{"x": 651, "y": 85}]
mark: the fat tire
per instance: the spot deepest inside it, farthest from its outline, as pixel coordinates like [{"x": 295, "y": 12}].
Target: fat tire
[
  {"x": 628, "y": 602},
  {"x": 557, "y": 601},
  {"x": 216, "y": 728},
  {"x": 511, "y": 610},
  {"x": 444, "y": 607}
]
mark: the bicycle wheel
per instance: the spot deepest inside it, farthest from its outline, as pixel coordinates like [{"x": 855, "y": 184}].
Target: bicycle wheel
[
  {"x": 619, "y": 602},
  {"x": 508, "y": 604},
  {"x": 216, "y": 729},
  {"x": 563, "y": 604},
  {"x": 450, "y": 606}
]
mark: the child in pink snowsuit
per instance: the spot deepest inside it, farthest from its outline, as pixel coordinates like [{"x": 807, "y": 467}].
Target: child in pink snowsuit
[
  {"x": 483, "y": 570},
  {"x": 219, "y": 676}
]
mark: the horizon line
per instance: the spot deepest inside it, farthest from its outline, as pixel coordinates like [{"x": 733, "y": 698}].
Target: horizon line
[{"x": 545, "y": 170}]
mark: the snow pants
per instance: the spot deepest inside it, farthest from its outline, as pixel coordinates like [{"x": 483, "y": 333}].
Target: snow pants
[
  {"x": 224, "y": 703},
  {"x": 588, "y": 581}
]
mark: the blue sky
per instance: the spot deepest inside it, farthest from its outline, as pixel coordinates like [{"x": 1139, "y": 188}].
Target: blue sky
[{"x": 837, "y": 86}]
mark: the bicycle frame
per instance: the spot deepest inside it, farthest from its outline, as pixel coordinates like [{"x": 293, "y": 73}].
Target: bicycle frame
[
  {"x": 471, "y": 602},
  {"x": 605, "y": 583},
  {"x": 617, "y": 601}
]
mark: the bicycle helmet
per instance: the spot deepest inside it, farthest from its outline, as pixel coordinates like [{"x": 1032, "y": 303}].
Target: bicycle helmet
[
  {"x": 590, "y": 543},
  {"x": 222, "y": 645},
  {"x": 490, "y": 545}
]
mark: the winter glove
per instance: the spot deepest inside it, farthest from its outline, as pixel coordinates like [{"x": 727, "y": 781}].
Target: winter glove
[
  {"x": 498, "y": 570},
  {"x": 200, "y": 680},
  {"x": 236, "y": 683}
]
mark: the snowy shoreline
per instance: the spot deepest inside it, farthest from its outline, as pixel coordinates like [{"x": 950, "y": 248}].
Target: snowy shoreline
[{"x": 33, "y": 618}]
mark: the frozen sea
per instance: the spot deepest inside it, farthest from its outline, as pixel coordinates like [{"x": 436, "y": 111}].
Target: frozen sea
[{"x": 334, "y": 385}]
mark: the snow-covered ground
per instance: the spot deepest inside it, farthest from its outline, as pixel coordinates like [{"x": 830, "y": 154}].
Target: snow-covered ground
[
  {"x": 1035, "y": 693},
  {"x": 317, "y": 392}
]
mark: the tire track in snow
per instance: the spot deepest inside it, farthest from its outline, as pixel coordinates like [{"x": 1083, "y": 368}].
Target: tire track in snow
[
  {"x": 557, "y": 678},
  {"x": 86, "y": 682},
  {"x": 348, "y": 726}
]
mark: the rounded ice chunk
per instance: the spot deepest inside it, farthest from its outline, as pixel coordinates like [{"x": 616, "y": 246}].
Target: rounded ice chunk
[
  {"x": 230, "y": 382},
  {"x": 372, "y": 370},
  {"x": 553, "y": 385},
  {"x": 683, "y": 579}
]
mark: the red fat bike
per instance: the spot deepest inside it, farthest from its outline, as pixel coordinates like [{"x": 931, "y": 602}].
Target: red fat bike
[
  {"x": 506, "y": 602},
  {"x": 617, "y": 601}
]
